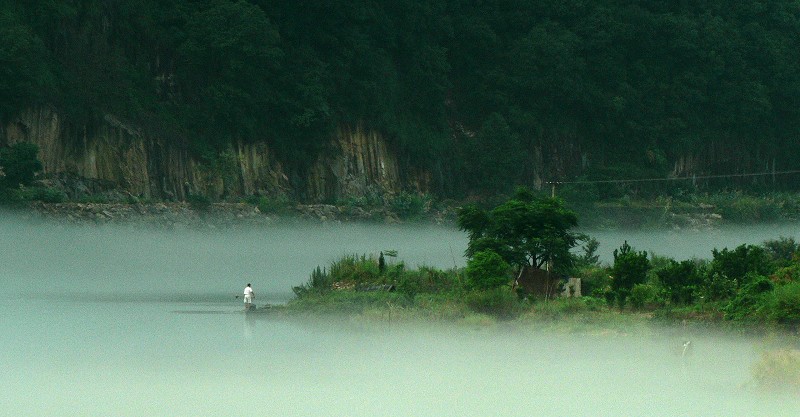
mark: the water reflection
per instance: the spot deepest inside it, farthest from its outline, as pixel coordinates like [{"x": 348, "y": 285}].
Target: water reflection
[{"x": 249, "y": 323}]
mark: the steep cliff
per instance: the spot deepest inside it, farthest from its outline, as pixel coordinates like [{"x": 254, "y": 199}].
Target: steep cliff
[
  {"x": 120, "y": 157},
  {"x": 361, "y": 164}
]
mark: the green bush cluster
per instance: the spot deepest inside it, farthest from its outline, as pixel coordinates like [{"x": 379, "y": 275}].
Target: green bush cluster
[
  {"x": 408, "y": 205},
  {"x": 426, "y": 288},
  {"x": 19, "y": 165},
  {"x": 750, "y": 283},
  {"x": 744, "y": 285},
  {"x": 280, "y": 204},
  {"x": 199, "y": 202},
  {"x": 499, "y": 301}
]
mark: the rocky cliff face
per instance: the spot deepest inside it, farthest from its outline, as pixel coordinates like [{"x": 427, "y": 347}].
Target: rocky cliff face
[{"x": 122, "y": 158}]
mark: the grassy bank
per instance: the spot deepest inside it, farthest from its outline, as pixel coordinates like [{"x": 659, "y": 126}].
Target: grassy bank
[{"x": 725, "y": 292}]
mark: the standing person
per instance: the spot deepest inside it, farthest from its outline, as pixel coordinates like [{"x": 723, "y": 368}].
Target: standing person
[{"x": 249, "y": 295}]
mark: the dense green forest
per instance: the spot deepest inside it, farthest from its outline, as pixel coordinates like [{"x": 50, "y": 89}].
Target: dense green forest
[{"x": 465, "y": 89}]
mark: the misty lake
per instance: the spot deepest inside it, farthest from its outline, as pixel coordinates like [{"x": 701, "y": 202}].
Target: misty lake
[{"x": 132, "y": 321}]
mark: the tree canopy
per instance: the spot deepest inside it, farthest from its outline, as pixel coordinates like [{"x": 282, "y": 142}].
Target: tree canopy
[
  {"x": 477, "y": 92},
  {"x": 525, "y": 231}
]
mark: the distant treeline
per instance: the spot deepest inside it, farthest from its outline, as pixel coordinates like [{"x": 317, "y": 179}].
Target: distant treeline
[{"x": 466, "y": 89}]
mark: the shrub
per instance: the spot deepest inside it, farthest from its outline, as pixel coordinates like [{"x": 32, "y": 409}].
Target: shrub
[
  {"x": 740, "y": 207},
  {"x": 426, "y": 280},
  {"x": 199, "y": 202},
  {"x": 408, "y": 205},
  {"x": 279, "y": 204},
  {"x": 440, "y": 306},
  {"x": 499, "y": 302},
  {"x": 735, "y": 266},
  {"x": 595, "y": 281},
  {"x": 644, "y": 295},
  {"x": 486, "y": 270},
  {"x": 681, "y": 280},
  {"x": 368, "y": 201},
  {"x": 717, "y": 287},
  {"x": 788, "y": 274},
  {"x": 50, "y": 195},
  {"x": 9, "y": 196},
  {"x": 630, "y": 268},
  {"x": 785, "y": 306},
  {"x": 319, "y": 281},
  {"x": 781, "y": 250},
  {"x": 356, "y": 269},
  {"x": 751, "y": 300},
  {"x": 19, "y": 165}
]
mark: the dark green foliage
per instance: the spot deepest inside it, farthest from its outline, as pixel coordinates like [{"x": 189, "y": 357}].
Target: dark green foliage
[
  {"x": 589, "y": 258},
  {"x": 751, "y": 301},
  {"x": 787, "y": 274},
  {"x": 681, "y": 280},
  {"x": 199, "y": 202},
  {"x": 408, "y": 205},
  {"x": 25, "y": 76},
  {"x": 19, "y": 164},
  {"x": 486, "y": 95},
  {"x": 319, "y": 281},
  {"x": 494, "y": 157},
  {"x": 355, "y": 269},
  {"x": 595, "y": 281},
  {"x": 524, "y": 231},
  {"x": 645, "y": 295},
  {"x": 228, "y": 63},
  {"x": 782, "y": 251},
  {"x": 630, "y": 268},
  {"x": 426, "y": 280},
  {"x": 279, "y": 204},
  {"x": 486, "y": 270},
  {"x": 730, "y": 269},
  {"x": 785, "y": 306}
]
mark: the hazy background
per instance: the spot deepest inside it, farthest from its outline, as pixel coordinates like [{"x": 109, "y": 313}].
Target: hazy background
[
  {"x": 55, "y": 258},
  {"x": 48, "y": 258}
]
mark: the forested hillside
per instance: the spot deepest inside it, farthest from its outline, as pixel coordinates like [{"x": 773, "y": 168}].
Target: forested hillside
[{"x": 479, "y": 93}]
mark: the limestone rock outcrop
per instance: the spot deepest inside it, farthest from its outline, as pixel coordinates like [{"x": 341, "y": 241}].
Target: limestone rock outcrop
[{"x": 122, "y": 158}]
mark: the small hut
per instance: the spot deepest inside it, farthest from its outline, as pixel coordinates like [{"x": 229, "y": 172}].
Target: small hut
[{"x": 541, "y": 283}]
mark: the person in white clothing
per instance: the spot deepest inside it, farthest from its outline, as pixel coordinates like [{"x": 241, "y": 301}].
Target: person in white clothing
[{"x": 249, "y": 295}]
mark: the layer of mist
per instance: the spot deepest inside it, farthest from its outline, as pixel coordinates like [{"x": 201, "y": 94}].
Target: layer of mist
[
  {"x": 47, "y": 258},
  {"x": 118, "y": 320},
  {"x": 143, "y": 359},
  {"x": 687, "y": 244},
  {"x": 50, "y": 258}
]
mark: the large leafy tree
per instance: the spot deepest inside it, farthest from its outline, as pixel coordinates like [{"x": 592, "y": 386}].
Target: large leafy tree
[{"x": 525, "y": 231}]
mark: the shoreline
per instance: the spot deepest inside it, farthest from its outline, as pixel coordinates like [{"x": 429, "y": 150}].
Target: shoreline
[
  {"x": 706, "y": 212},
  {"x": 171, "y": 215}
]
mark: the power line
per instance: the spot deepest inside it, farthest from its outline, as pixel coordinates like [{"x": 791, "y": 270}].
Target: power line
[{"x": 696, "y": 177}]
